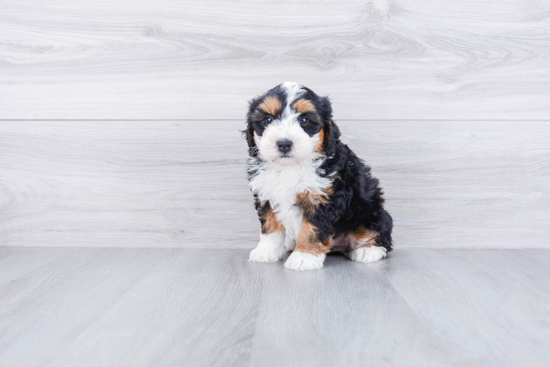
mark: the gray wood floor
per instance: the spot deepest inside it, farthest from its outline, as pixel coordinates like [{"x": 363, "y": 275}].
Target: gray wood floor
[{"x": 208, "y": 307}]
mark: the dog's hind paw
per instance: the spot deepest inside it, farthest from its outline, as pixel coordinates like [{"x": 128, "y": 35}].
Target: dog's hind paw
[{"x": 368, "y": 254}]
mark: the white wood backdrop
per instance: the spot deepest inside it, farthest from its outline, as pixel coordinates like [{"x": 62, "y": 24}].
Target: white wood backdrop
[
  {"x": 120, "y": 119},
  {"x": 481, "y": 184},
  {"x": 150, "y": 59}
]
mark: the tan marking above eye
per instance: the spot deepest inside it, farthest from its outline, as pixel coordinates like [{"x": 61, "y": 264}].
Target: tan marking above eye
[
  {"x": 271, "y": 105},
  {"x": 303, "y": 106}
]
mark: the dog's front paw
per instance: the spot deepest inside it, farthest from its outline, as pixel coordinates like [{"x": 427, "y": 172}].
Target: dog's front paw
[
  {"x": 304, "y": 261},
  {"x": 266, "y": 254},
  {"x": 368, "y": 254}
]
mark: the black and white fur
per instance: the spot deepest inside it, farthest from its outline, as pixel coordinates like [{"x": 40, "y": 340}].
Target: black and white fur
[{"x": 343, "y": 210}]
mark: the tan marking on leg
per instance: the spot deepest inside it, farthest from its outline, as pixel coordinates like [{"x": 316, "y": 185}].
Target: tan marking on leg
[
  {"x": 271, "y": 223},
  {"x": 271, "y": 105},
  {"x": 303, "y": 106},
  {"x": 308, "y": 242},
  {"x": 363, "y": 238}
]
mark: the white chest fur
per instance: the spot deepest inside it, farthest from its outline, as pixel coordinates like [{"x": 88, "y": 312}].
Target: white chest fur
[{"x": 280, "y": 184}]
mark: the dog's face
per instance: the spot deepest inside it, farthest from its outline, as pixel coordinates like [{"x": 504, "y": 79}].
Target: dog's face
[{"x": 290, "y": 124}]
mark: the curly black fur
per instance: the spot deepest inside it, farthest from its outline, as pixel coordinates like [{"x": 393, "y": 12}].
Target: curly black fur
[{"x": 356, "y": 200}]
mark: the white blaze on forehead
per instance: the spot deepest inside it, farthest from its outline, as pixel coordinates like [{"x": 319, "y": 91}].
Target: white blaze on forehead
[{"x": 293, "y": 92}]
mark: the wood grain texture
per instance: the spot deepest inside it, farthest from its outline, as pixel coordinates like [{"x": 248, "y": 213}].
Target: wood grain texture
[
  {"x": 196, "y": 307},
  {"x": 347, "y": 314},
  {"x": 98, "y": 305},
  {"x": 378, "y": 59},
  {"x": 457, "y": 184},
  {"x": 125, "y": 184},
  {"x": 461, "y": 287}
]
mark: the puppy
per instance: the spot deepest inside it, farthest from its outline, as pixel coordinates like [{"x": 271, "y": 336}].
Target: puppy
[{"x": 313, "y": 195}]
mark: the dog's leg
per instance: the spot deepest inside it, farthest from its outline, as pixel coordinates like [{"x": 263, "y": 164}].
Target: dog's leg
[
  {"x": 364, "y": 247},
  {"x": 310, "y": 251},
  {"x": 290, "y": 244},
  {"x": 270, "y": 249},
  {"x": 272, "y": 239}
]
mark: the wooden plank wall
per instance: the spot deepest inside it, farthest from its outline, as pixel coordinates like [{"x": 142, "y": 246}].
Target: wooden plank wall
[
  {"x": 183, "y": 183},
  {"x": 119, "y": 119}
]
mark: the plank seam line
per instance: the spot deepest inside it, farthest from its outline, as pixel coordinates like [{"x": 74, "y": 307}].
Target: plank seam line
[{"x": 243, "y": 120}]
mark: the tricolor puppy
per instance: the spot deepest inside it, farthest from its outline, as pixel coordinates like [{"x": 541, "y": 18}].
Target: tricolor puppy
[{"x": 312, "y": 193}]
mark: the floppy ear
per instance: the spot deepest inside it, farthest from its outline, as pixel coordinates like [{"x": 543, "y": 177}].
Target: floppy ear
[
  {"x": 248, "y": 133},
  {"x": 332, "y": 136},
  {"x": 331, "y": 131}
]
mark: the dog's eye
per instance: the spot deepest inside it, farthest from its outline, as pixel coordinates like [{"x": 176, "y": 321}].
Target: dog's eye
[
  {"x": 303, "y": 121},
  {"x": 268, "y": 120}
]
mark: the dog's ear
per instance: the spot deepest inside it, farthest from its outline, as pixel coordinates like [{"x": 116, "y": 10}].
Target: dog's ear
[
  {"x": 331, "y": 131},
  {"x": 248, "y": 133},
  {"x": 331, "y": 137}
]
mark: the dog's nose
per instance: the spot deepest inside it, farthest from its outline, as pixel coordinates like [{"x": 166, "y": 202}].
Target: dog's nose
[{"x": 284, "y": 145}]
